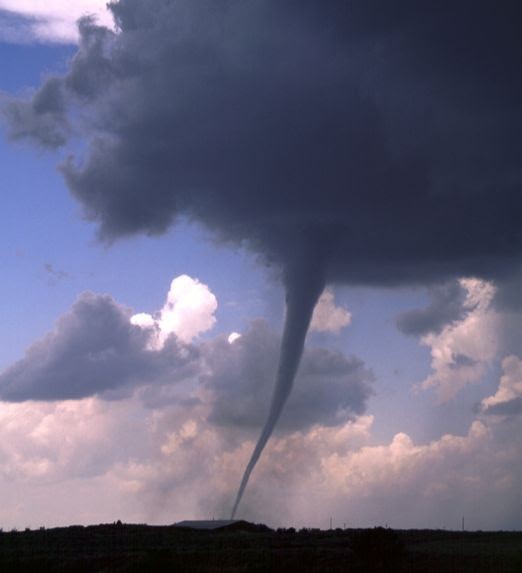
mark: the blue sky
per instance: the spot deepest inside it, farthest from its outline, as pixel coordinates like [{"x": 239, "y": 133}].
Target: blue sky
[{"x": 132, "y": 452}]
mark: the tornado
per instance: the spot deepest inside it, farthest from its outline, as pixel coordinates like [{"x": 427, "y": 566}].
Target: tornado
[{"x": 303, "y": 289}]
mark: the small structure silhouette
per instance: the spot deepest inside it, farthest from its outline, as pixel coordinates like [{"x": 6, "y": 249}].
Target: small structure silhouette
[
  {"x": 222, "y": 525},
  {"x": 206, "y": 524}
]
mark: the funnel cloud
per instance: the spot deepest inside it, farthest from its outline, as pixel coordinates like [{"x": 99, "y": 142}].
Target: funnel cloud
[{"x": 302, "y": 295}]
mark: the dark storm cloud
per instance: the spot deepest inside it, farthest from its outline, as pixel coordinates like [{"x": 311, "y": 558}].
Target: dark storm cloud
[
  {"x": 385, "y": 135},
  {"x": 330, "y": 388},
  {"x": 446, "y": 306},
  {"x": 507, "y": 297},
  {"x": 93, "y": 349},
  {"x": 42, "y": 120}
]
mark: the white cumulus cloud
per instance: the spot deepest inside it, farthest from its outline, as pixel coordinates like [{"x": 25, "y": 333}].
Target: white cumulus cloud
[
  {"x": 188, "y": 311},
  {"x": 48, "y": 21},
  {"x": 462, "y": 351},
  {"x": 508, "y": 398},
  {"x": 328, "y": 317},
  {"x": 233, "y": 336},
  {"x": 163, "y": 464}
]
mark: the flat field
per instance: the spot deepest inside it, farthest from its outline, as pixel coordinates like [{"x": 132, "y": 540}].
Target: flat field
[{"x": 125, "y": 548}]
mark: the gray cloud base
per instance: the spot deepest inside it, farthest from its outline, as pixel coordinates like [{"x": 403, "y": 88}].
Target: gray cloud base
[
  {"x": 446, "y": 306},
  {"x": 93, "y": 350},
  {"x": 508, "y": 408},
  {"x": 389, "y": 136},
  {"x": 329, "y": 389}
]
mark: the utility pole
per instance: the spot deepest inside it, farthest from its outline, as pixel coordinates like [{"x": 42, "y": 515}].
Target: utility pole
[
  {"x": 462, "y": 523},
  {"x": 330, "y": 523}
]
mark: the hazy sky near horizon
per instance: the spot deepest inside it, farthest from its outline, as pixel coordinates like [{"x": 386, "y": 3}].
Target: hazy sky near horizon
[{"x": 140, "y": 333}]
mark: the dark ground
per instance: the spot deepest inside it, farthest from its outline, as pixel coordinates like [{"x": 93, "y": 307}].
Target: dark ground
[{"x": 126, "y": 548}]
